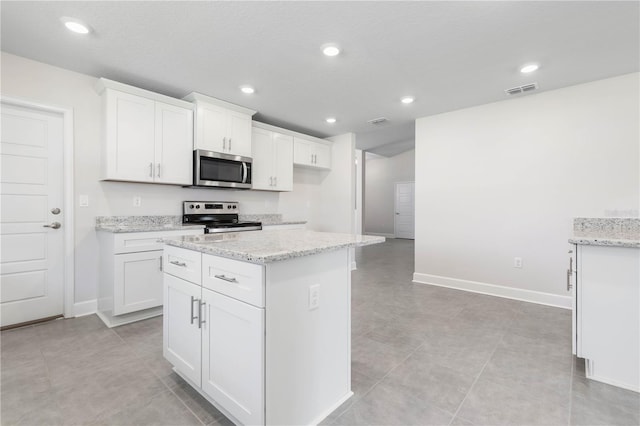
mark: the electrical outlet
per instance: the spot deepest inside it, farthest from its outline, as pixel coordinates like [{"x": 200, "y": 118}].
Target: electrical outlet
[
  {"x": 517, "y": 262},
  {"x": 83, "y": 200},
  {"x": 137, "y": 201},
  {"x": 314, "y": 296}
]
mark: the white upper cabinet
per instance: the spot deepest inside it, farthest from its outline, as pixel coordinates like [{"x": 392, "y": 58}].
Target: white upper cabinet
[
  {"x": 272, "y": 168},
  {"x": 221, "y": 126},
  {"x": 311, "y": 154},
  {"x": 147, "y": 137}
]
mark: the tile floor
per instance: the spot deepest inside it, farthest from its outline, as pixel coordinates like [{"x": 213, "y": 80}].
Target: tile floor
[{"x": 421, "y": 355}]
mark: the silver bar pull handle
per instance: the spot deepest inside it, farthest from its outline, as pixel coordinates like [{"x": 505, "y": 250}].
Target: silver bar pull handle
[
  {"x": 160, "y": 263},
  {"x": 224, "y": 278},
  {"x": 245, "y": 172},
  {"x": 270, "y": 180},
  {"x": 229, "y": 144},
  {"x": 158, "y": 169},
  {"x": 569, "y": 279},
  {"x": 275, "y": 181},
  {"x": 201, "y": 320},
  {"x": 224, "y": 144},
  {"x": 150, "y": 169},
  {"x": 193, "y": 299},
  {"x": 180, "y": 264}
]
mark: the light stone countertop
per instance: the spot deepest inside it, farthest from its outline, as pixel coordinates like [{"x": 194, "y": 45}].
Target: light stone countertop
[
  {"x": 613, "y": 232},
  {"x": 121, "y": 224},
  {"x": 262, "y": 248}
]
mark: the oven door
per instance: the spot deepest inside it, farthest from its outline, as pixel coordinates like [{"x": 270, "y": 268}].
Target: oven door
[{"x": 221, "y": 170}]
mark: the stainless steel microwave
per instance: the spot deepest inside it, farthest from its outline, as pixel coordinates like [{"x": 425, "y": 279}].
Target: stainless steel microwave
[{"x": 214, "y": 169}]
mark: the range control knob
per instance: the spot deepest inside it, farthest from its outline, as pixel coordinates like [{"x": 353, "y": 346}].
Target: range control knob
[
  {"x": 191, "y": 206},
  {"x": 197, "y": 206},
  {"x": 235, "y": 207}
]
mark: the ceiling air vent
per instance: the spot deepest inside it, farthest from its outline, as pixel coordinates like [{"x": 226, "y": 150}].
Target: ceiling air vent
[
  {"x": 378, "y": 121},
  {"x": 521, "y": 89}
]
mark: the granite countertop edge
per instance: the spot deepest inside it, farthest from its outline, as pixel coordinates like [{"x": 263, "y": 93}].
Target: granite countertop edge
[
  {"x": 117, "y": 229},
  {"x": 246, "y": 256},
  {"x": 601, "y": 241}
]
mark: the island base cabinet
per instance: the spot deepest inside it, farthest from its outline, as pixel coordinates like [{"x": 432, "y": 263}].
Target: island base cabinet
[
  {"x": 232, "y": 356},
  {"x": 182, "y": 342}
]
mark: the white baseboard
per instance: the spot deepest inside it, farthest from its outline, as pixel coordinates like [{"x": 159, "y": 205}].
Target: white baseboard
[
  {"x": 379, "y": 234},
  {"x": 89, "y": 307},
  {"x": 495, "y": 290}
]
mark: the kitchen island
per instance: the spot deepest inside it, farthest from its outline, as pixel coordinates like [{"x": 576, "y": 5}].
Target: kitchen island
[{"x": 260, "y": 322}]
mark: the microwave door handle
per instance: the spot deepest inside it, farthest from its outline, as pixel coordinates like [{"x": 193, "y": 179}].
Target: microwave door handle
[{"x": 244, "y": 172}]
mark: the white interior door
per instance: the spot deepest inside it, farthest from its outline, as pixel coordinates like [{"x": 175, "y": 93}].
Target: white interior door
[
  {"x": 31, "y": 190},
  {"x": 404, "y": 214}
]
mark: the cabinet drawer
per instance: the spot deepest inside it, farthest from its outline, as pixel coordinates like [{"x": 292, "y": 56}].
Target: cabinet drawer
[
  {"x": 240, "y": 280},
  {"x": 130, "y": 242},
  {"x": 182, "y": 263}
]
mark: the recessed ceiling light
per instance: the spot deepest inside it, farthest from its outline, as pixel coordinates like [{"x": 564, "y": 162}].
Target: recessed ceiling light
[
  {"x": 247, "y": 89},
  {"x": 331, "y": 120},
  {"x": 529, "y": 68},
  {"x": 75, "y": 25},
  {"x": 407, "y": 100},
  {"x": 330, "y": 49}
]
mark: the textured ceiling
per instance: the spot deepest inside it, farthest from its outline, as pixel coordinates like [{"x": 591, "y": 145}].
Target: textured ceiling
[{"x": 449, "y": 55}]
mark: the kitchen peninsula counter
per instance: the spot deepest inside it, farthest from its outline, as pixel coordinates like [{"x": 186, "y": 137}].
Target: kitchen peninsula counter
[{"x": 262, "y": 248}]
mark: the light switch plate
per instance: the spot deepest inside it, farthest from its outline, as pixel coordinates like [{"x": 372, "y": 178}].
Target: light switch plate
[{"x": 83, "y": 200}]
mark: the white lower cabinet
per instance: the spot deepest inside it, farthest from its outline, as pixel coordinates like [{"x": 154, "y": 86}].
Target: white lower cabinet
[
  {"x": 137, "y": 276},
  {"x": 213, "y": 340},
  {"x": 182, "y": 341},
  {"x": 246, "y": 338},
  {"x": 607, "y": 313},
  {"x": 233, "y": 356},
  {"x": 130, "y": 279}
]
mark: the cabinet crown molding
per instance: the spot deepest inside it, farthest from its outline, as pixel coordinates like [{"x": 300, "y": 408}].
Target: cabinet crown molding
[
  {"x": 265, "y": 126},
  {"x": 196, "y": 98},
  {"x": 103, "y": 83}
]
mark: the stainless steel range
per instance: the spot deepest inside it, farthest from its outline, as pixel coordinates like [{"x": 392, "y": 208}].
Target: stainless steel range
[{"x": 217, "y": 216}]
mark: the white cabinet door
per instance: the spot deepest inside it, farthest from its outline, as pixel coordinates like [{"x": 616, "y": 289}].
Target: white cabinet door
[
  {"x": 239, "y": 134},
  {"x": 211, "y": 123},
  {"x": 302, "y": 153},
  {"x": 322, "y": 157},
  {"x": 137, "y": 281},
  {"x": 182, "y": 341},
  {"x": 174, "y": 144},
  {"x": 310, "y": 154},
  {"x": 262, "y": 166},
  {"x": 283, "y": 161},
  {"x": 129, "y": 137},
  {"x": 223, "y": 130},
  {"x": 233, "y": 356}
]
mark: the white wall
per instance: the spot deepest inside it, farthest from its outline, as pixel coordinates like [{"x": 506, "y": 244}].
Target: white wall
[
  {"x": 337, "y": 192},
  {"x": 505, "y": 179},
  {"x": 29, "y": 80},
  {"x": 381, "y": 175}
]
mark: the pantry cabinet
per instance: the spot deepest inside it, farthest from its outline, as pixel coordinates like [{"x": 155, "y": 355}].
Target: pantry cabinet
[
  {"x": 311, "y": 154},
  {"x": 272, "y": 160},
  {"x": 147, "y": 137},
  {"x": 221, "y": 126}
]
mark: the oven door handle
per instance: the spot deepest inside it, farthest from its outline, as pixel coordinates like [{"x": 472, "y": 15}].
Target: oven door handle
[{"x": 244, "y": 172}]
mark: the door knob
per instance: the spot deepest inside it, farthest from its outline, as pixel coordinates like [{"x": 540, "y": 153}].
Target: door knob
[
  {"x": 55, "y": 210},
  {"x": 54, "y": 225}
]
